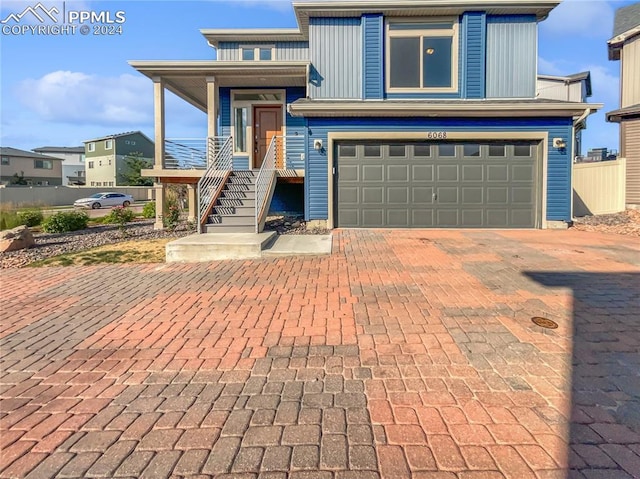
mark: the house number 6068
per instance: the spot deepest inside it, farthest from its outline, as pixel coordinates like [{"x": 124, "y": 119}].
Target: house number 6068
[{"x": 437, "y": 135}]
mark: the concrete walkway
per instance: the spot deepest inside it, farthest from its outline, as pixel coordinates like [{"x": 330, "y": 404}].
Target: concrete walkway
[{"x": 402, "y": 354}]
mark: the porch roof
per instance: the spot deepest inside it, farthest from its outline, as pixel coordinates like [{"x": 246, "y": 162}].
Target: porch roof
[
  {"x": 441, "y": 108},
  {"x": 188, "y": 79}
]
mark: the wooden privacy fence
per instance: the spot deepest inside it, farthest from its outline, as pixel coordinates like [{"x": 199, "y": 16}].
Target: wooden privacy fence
[{"x": 599, "y": 188}]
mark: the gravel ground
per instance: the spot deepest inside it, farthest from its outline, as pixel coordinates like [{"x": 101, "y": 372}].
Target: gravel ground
[
  {"x": 291, "y": 225},
  {"x": 624, "y": 223},
  {"x": 49, "y": 245}
]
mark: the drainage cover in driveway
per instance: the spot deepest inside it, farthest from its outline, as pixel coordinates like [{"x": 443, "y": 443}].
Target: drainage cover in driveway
[{"x": 544, "y": 322}]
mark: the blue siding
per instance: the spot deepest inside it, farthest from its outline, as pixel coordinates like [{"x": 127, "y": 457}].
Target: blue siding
[
  {"x": 295, "y": 127},
  {"x": 373, "y": 59},
  {"x": 474, "y": 39},
  {"x": 558, "y": 163}
]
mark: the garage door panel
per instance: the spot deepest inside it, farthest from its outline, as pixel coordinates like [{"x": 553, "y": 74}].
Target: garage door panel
[
  {"x": 398, "y": 218},
  {"x": 391, "y": 185},
  {"x": 373, "y": 218},
  {"x": 398, "y": 196},
  {"x": 422, "y": 195},
  {"x": 398, "y": 173},
  {"x": 422, "y": 173},
  {"x": 372, "y": 173},
  {"x": 373, "y": 195}
]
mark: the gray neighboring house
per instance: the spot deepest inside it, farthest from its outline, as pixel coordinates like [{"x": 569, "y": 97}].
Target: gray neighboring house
[
  {"x": 38, "y": 170},
  {"x": 73, "y": 173},
  {"x": 624, "y": 47},
  {"x": 576, "y": 87},
  {"x": 105, "y": 157}
]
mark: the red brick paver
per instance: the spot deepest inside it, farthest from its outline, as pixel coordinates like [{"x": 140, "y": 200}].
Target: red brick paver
[{"x": 404, "y": 354}]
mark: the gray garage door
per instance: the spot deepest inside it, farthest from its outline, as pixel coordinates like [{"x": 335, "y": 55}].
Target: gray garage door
[{"x": 422, "y": 185}]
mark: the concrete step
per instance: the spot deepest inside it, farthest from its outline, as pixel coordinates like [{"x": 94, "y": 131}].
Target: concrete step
[
  {"x": 219, "y": 246},
  {"x": 218, "y": 229},
  {"x": 242, "y": 210},
  {"x": 231, "y": 220}
]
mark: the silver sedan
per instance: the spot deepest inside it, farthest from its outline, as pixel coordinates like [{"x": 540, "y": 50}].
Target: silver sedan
[{"x": 104, "y": 199}]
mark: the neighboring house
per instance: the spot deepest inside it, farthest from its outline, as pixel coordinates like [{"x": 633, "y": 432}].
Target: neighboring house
[
  {"x": 37, "y": 169},
  {"x": 576, "y": 87},
  {"x": 106, "y": 157},
  {"x": 72, "y": 165},
  {"x": 393, "y": 115},
  {"x": 625, "y": 47}
]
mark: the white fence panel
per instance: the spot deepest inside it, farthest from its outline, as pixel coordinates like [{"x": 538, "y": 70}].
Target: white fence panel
[{"x": 599, "y": 188}]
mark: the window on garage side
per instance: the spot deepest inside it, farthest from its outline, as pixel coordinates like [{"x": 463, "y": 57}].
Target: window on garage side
[
  {"x": 347, "y": 151},
  {"x": 522, "y": 149},
  {"x": 422, "y": 56},
  {"x": 397, "y": 150},
  {"x": 471, "y": 150}
]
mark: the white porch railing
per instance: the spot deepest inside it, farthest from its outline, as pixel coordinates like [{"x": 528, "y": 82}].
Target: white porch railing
[
  {"x": 220, "y": 164},
  {"x": 266, "y": 176}
]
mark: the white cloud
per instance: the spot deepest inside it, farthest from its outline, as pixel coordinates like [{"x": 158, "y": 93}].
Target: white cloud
[
  {"x": 580, "y": 18},
  {"x": 548, "y": 67},
  {"x": 75, "y": 97}
]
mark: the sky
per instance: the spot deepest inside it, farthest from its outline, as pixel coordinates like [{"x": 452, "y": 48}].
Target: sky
[{"x": 58, "y": 90}]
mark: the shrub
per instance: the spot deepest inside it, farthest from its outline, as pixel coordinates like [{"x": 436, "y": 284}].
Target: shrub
[
  {"x": 31, "y": 217},
  {"x": 9, "y": 219},
  {"x": 172, "y": 216},
  {"x": 65, "y": 221},
  {"x": 119, "y": 215},
  {"x": 149, "y": 210}
]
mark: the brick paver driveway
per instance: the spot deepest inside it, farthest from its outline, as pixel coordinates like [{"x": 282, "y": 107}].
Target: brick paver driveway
[{"x": 404, "y": 354}]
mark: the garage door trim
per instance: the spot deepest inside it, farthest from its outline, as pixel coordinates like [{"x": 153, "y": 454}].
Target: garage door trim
[{"x": 541, "y": 136}]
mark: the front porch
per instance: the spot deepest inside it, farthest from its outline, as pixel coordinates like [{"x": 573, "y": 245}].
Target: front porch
[{"x": 251, "y": 139}]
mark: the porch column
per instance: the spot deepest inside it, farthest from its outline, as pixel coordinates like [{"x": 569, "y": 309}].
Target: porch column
[
  {"x": 161, "y": 196},
  {"x": 212, "y": 107},
  {"x": 191, "y": 196},
  {"x": 158, "y": 119}
]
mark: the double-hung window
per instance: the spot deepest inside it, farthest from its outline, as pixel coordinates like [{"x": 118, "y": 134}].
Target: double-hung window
[
  {"x": 422, "y": 56},
  {"x": 257, "y": 53}
]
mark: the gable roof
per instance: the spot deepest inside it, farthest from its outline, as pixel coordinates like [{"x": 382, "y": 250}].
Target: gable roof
[
  {"x": 626, "y": 26},
  {"x": 59, "y": 149},
  {"x": 119, "y": 135},
  {"x": 574, "y": 78},
  {"x": 16, "y": 153}
]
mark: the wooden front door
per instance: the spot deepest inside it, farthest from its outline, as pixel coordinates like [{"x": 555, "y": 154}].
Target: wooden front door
[{"x": 267, "y": 123}]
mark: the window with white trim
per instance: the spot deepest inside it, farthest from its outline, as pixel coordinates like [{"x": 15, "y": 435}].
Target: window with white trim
[
  {"x": 240, "y": 127},
  {"x": 92, "y": 147},
  {"x": 263, "y": 53},
  {"x": 43, "y": 164},
  {"x": 90, "y": 164},
  {"x": 5, "y": 160},
  {"x": 422, "y": 56},
  {"x": 108, "y": 144}
]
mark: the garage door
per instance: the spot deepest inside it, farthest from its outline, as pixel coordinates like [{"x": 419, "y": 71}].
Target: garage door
[{"x": 424, "y": 184}]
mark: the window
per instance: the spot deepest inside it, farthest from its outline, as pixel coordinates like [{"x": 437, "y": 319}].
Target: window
[
  {"x": 43, "y": 164},
  {"x": 372, "y": 151},
  {"x": 422, "y": 56},
  {"x": 397, "y": 150},
  {"x": 90, "y": 164},
  {"x": 447, "y": 150},
  {"x": 422, "y": 150},
  {"x": 471, "y": 150},
  {"x": 109, "y": 162},
  {"x": 43, "y": 183},
  {"x": 93, "y": 183},
  {"x": 261, "y": 53},
  {"x": 98, "y": 183},
  {"x": 92, "y": 147},
  {"x": 496, "y": 150},
  {"x": 130, "y": 142},
  {"x": 348, "y": 151},
  {"x": 522, "y": 149},
  {"x": 5, "y": 160},
  {"x": 108, "y": 144},
  {"x": 240, "y": 124}
]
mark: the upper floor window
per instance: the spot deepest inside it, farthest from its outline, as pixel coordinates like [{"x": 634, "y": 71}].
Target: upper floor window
[
  {"x": 422, "y": 56},
  {"x": 43, "y": 164},
  {"x": 108, "y": 144},
  {"x": 5, "y": 160},
  {"x": 261, "y": 53},
  {"x": 92, "y": 147}
]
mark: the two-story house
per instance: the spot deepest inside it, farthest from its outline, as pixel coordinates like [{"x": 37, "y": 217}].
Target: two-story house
[
  {"x": 108, "y": 159},
  {"x": 72, "y": 162},
  {"x": 33, "y": 169},
  {"x": 394, "y": 114},
  {"x": 625, "y": 47}
]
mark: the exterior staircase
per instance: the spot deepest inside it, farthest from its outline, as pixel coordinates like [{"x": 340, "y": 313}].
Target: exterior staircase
[{"x": 235, "y": 208}]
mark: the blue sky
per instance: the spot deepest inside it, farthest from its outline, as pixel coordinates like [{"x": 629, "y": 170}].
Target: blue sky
[{"x": 60, "y": 90}]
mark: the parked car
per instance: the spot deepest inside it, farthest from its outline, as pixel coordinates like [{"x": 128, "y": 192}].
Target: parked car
[{"x": 104, "y": 199}]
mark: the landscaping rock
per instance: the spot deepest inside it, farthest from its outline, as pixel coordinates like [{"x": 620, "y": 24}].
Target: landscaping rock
[
  {"x": 623, "y": 223},
  {"x": 16, "y": 239}
]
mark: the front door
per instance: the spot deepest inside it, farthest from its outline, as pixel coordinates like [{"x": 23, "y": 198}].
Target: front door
[{"x": 267, "y": 123}]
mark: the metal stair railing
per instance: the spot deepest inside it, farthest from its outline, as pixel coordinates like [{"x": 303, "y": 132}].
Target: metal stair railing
[
  {"x": 185, "y": 153},
  {"x": 220, "y": 163},
  {"x": 265, "y": 178}
]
